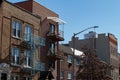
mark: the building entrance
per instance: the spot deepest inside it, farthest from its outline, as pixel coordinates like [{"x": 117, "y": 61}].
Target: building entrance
[
  {"x": 5, "y": 71},
  {"x": 3, "y": 76}
]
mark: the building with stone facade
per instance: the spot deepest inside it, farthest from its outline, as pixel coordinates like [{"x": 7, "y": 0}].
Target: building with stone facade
[
  {"x": 29, "y": 38},
  {"x": 106, "y": 47}
]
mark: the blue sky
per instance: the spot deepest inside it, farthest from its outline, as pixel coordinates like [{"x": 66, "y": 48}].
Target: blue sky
[{"x": 80, "y": 14}]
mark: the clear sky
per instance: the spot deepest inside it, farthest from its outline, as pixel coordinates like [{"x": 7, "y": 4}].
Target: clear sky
[{"x": 81, "y": 14}]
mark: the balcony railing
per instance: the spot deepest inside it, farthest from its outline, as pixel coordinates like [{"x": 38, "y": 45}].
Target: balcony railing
[
  {"x": 61, "y": 33},
  {"x": 56, "y": 36},
  {"x": 32, "y": 42},
  {"x": 39, "y": 66},
  {"x": 54, "y": 55}
]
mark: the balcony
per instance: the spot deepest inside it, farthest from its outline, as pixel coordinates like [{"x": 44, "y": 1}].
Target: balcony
[
  {"x": 53, "y": 56},
  {"x": 39, "y": 66},
  {"x": 56, "y": 36},
  {"x": 53, "y": 33},
  {"x": 32, "y": 42},
  {"x": 25, "y": 45}
]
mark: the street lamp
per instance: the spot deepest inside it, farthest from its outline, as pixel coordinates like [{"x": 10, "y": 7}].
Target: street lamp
[{"x": 73, "y": 38}]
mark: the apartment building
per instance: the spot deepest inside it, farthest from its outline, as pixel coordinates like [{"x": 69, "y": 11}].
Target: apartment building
[
  {"x": 29, "y": 38},
  {"x": 19, "y": 42},
  {"x": 52, "y": 30},
  {"x": 66, "y": 62},
  {"x": 106, "y": 48}
]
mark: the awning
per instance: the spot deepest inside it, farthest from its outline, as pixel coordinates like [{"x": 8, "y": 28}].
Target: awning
[
  {"x": 45, "y": 75},
  {"x": 56, "y": 19}
]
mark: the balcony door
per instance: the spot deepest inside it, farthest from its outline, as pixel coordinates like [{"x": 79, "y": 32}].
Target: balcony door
[{"x": 52, "y": 29}]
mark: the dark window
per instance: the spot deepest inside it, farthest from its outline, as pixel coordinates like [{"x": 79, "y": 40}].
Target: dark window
[
  {"x": 26, "y": 78},
  {"x": 77, "y": 61},
  {"x": 52, "y": 29},
  {"x": 52, "y": 48},
  {"x": 15, "y": 77},
  {"x": 51, "y": 64}
]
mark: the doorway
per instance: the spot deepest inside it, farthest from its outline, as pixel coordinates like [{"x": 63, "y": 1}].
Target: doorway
[{"x": 3, "y": 76}]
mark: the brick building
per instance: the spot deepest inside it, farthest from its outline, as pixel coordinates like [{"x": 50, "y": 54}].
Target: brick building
[
  {"x": 66, "y": 63},
  {"x": 106, "y": 47},
  {"x": 29, "y": 38}
]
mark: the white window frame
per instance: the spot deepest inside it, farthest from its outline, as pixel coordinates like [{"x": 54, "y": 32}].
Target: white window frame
[
  {"x": 15, "y": 76},
  {"x": 28, "y": 32},
  {"x": 69, "y": 76},
  {"x": 70, "y": 58},
  {"x": 27, "y": 78},
  {"x": 27, "y": 58},
  {"x": 15, "y": 56},
  {"x": 62, "y": 75},
  {"x": 16, "y": 26}
]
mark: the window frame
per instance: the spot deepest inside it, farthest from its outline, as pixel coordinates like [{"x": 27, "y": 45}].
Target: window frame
[
  {"x": 15, "y": 56},
  {"x": 69, "y": 75},
  {"x": 27, "y": 58},
  {"x": 27, "y": 78},
  {"x": 77, "y": 62},
  {"x": 69, "y": 58},
  {"x": 28, "y": 32},
  {"x": 62, "y": 75},
  {"x": 15, "y": 76},
  {"x": 16, "y": 28},
  {"x": 52, "y": 48},
  {"x": 52, "y": 28}
]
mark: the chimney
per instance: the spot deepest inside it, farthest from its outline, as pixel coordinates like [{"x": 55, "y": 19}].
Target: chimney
[{"x": 30, "y": 0}]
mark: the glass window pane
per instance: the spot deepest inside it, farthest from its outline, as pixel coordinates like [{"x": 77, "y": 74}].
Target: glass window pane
[
  {"x": 52, "y": 29},
  {"x": 28, "y": 32},
  {"x": 69, "y": 58},
  {"x": 27, "y": 59},
  {"x": 16, "y": 28}
]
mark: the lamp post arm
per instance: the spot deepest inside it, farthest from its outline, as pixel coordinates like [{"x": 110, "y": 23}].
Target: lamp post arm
[{"x": 84, "y": 30}]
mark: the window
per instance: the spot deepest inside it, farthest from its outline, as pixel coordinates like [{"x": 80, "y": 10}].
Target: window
[
  {"x": 28, "y": 32},
  {"x": 77, "y": 61},
  {"x": 15, "y": 77},
  {"x": 52, "y": 29},
  {"x": 16, "y": 28},
  {"x": 52, "y": 48},
  {"x": 15, "y": 56},
  {"x": 51, "y": 64},
  {"x": 27, "y": 59},
  {"x": 69, "y": 75},
  {"x": 61, "y": 74},
  {"x": 26, "y": 78},
  {"x": 69, "y": 58}
]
